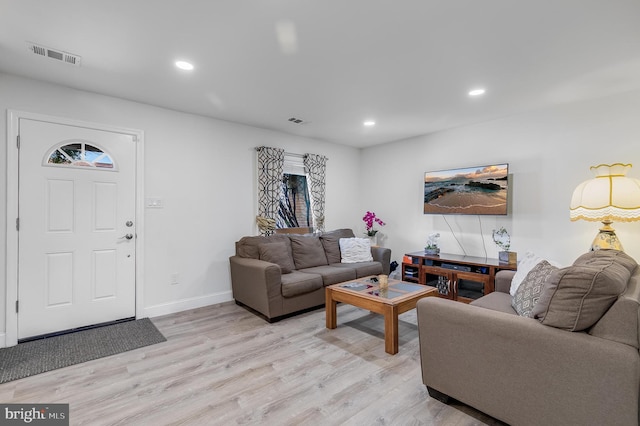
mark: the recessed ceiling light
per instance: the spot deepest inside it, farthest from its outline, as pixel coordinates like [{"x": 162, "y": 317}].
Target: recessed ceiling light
[
  {"x": 287, "y": 37},
  {"x": 477, "y": 92},
  {"x": 369, "y": 123},
  {"x": 184, "y": 65}
]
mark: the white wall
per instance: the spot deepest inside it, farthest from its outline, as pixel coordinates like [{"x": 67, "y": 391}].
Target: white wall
[
  {"x": 203, "y": 169},
  {"x": 549, "y": 153}
]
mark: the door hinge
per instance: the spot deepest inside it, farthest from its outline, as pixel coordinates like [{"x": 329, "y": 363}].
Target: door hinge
[
  {"x": 17, "y": 305},
  {"x": 18, "y": 141},
  {"x": 17, "y": 223}
]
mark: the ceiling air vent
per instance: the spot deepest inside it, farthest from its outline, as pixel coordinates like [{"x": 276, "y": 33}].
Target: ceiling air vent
[
  {"x": 55, "y": 54},
  {"x": 297, "y": 120}
]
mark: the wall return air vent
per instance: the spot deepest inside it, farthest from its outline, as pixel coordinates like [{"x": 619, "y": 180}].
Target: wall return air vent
[{"x": 55, "y": 54}]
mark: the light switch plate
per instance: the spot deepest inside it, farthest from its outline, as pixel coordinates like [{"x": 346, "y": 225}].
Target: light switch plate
[{"x": 154, "y": 203}]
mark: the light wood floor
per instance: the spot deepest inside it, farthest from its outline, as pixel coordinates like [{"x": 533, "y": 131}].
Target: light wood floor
[{"x": 223, "y": 365}]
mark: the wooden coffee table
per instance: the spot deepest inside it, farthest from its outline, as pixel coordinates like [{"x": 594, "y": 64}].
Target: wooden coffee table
[{"x": 365, "y": 293}]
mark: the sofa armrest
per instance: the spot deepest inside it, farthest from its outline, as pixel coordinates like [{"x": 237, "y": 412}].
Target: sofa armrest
[
  {"x": 382, "y": 255},
  {"x": 522, "y": 372},
  {"x": 503, "y": 280},
  {"x": 256, "y": 283}
]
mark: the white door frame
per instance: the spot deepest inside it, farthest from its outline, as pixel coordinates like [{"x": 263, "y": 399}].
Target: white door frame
[{"x": 11, "y": 279}]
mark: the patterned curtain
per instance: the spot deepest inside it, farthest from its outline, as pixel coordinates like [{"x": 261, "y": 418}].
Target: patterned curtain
[
  {"x": 315, "y": 167},
  {"x": 270, "y": 169}
]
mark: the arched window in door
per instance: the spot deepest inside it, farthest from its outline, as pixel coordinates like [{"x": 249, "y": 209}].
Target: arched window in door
[{"x": 80, "y": 154}]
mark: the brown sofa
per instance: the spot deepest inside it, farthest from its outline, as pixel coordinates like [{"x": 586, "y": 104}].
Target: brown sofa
[
  {"x": 533, "y": 370},
  {"x": 284, "y": 274}
]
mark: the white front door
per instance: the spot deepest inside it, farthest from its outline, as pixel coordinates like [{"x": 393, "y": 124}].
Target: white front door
[{"x": 77, "y": 245}]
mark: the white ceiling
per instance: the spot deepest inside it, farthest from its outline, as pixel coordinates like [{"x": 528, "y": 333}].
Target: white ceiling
[{"x": 407, "y": 64}]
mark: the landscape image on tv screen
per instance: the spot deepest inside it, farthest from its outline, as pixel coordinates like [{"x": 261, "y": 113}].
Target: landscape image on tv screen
[{"x": 472, "y": 190}]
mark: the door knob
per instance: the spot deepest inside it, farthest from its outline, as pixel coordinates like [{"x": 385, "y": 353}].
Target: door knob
[
  {"x": 128, "y": 236},
  {"x": 129, "y": 224}
]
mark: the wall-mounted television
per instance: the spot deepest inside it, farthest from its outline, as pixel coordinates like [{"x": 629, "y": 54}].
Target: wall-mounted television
[{"x": 471, "y": 190}]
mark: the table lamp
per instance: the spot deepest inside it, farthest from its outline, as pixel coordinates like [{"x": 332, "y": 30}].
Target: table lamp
[{"x": 609, "y": 197}]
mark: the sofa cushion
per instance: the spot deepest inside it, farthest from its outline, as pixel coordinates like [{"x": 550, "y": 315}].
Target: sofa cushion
[
  {"x": 496, "y": 301},
  {"x": 576, "y": 297},
  {"x": 331, "y": 243},
  {"x": 332, "y": 275},
  {"x": 297, "y": 283},
  {"x": 620, "y": 322},
  {"x": 249, "y": 246},
  {"x": 307, "y": 251},
  {"x": 529, "y": 291},
  {"x": 363, "y": 269},
  {"x": 277, "y": 253},
  {"x": 618, "y": 257},
  {"x": 353, "y": 250}
]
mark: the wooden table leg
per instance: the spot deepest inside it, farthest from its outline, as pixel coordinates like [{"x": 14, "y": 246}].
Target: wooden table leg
[
  {"x": 330, "y": 309},
  {"x": 391, "y": 330}
]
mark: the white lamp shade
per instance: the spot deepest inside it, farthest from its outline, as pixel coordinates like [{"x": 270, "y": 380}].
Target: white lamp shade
[{"x": 609, "y": 196}]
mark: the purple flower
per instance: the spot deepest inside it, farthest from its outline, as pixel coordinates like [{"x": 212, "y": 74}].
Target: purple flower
[{"x": 369, "y": 220}]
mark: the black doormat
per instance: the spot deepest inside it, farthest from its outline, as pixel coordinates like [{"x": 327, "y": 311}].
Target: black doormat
[{"x": 39, "y": 356}]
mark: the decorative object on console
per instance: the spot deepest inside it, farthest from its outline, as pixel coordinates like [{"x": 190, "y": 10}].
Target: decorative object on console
[
  {"x": 610, "y": 196},
  {"x": 503, "y": 240},
  {"x": 432, "y": 244}
]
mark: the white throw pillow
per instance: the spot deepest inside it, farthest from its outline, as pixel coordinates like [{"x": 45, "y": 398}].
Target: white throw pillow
[
  {"x": 525, "y": 265},
  {"x": 353, "y": 250}
]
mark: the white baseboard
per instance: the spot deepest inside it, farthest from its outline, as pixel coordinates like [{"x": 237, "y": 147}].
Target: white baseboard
[
  {"x": 169, "y": 308},
  {"x": 186, "y": 304}
]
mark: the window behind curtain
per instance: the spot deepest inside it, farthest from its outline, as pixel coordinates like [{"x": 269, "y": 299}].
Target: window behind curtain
[{"x": 295, "y": 205}]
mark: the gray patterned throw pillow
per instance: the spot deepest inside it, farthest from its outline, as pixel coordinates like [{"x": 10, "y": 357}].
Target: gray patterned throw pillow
[{"x": 529, "y": 291}]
